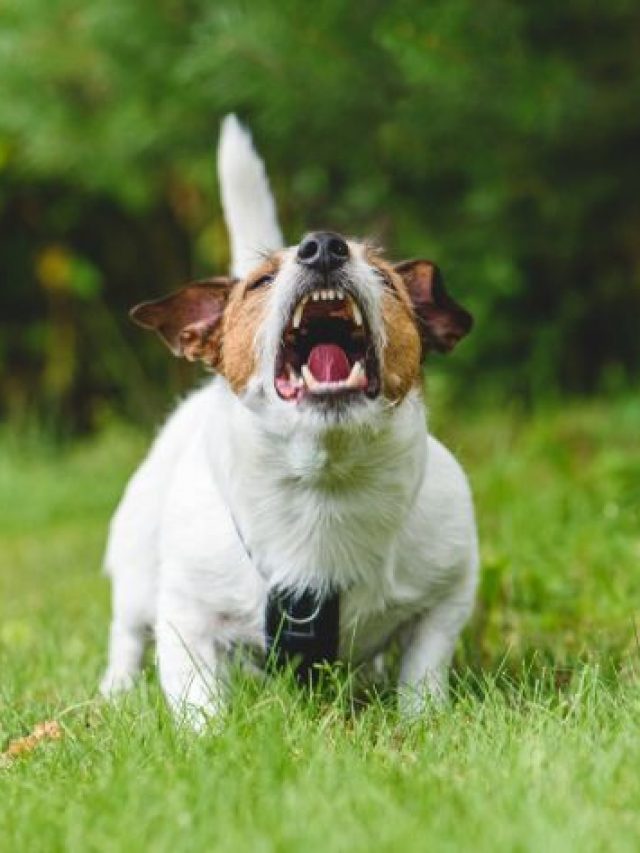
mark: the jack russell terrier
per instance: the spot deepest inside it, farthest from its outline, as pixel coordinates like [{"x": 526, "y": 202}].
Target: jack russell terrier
[{"x": 301, "y": 480}]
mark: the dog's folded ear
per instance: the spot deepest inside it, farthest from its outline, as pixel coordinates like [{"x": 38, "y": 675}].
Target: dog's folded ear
[
  {"x": 441, "y": 320},
  {"x": 189, "y": 320}
]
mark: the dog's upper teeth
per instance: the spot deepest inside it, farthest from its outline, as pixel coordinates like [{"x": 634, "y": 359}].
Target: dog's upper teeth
[
  {"x": 297, "y": 314},
  {"x": 326, "y": 295},
  {"x": 355, "y": 310}
]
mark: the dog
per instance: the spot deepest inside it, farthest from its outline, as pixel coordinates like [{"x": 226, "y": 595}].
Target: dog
[{"x": 302, "y": 469}]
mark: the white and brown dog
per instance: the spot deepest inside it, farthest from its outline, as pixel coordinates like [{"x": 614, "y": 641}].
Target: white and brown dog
[{"x": 303, "y": 466}]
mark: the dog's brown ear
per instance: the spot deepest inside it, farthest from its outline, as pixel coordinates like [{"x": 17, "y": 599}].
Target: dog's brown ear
[
  {"x": 442, "y": 321},
  {"x": 188, "y": 321}
]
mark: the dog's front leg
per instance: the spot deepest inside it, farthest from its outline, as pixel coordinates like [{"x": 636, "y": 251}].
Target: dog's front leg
[
  {"x": 427, "y": 655},
  {"x": 188, "y": 662}
]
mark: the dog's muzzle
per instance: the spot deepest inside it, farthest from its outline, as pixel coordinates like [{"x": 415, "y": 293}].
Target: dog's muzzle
[{"x": 326, "y": 351}]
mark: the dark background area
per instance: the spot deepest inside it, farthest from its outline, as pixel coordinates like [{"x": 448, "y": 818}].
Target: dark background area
[{"x": 499, "y": 139}]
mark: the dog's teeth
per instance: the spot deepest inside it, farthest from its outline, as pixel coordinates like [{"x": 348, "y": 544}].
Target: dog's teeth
[
  {"x": 332, "y": 294},
  {"x": 357, "y": 371},
  {"x": 355, "y": 310},
  {"x": 309, "y": 379},
  {"x": 340, "y": 294},
  {"x": 324, "y": 294},
  {"x": 315, "y": 295},
  {"x": 297, "y": 316}
]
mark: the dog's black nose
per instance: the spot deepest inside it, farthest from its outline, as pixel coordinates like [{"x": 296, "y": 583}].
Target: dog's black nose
[{"x": 323, "y": 250}]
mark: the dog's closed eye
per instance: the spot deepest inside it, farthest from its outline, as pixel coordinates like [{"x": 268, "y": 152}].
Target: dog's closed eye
[
  {"x": 261, "y": 282},
  {"x": 387, "y": 283},
  {"x": 385, "y": 279}
]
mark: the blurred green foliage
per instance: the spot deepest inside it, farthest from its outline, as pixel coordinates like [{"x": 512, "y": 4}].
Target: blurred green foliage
[{"x": 499, "y": 139}]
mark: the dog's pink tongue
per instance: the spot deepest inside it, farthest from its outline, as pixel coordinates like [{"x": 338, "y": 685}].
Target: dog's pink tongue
[{"x": 329, "y": 363}]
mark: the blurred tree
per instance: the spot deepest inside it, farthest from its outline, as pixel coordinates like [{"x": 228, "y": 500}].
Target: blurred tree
[{"x": 500, "y": 139}]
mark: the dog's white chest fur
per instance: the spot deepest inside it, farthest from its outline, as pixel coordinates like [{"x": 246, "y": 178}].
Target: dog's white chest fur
[{"x": 324, "y": 508}]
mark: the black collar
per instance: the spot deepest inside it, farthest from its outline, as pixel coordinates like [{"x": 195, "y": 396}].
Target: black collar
[{"x": 301, "y": 629}]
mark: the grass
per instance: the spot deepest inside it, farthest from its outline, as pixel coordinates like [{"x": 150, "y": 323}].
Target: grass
[{"x": 539, "y": 750}]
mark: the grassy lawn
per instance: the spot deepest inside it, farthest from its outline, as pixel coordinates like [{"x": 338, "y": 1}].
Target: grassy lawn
[{"x": 540, "y": 749}]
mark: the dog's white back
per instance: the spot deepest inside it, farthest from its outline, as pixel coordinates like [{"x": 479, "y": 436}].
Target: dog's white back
[{"x": 350, "y": 495}]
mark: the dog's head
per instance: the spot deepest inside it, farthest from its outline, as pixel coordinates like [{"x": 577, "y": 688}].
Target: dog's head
[{"x": 325, "y": 330}]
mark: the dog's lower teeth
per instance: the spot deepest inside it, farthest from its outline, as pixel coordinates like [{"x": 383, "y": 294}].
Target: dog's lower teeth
[
  {"x": 354, "y": 380},
  {"x": 356, "y": 372},
  {"x": 309, "y": 379}
]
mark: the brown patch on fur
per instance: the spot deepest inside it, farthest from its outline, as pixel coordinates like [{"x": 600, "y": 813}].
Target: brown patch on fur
[
  {"x": 243, "y": 318},
  {"x": 430, "y": 313},
  {"x": 402, "y": 351},
  {"x": 214, "y": 321}
]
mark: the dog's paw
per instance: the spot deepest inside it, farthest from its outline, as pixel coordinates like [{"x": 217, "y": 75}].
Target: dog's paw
[
  {"x": 115, "y": 682},
  {"x": 200, "y": 717},
  {"x": 200, "y": 721},
  {"x": 419, "y": 702}
]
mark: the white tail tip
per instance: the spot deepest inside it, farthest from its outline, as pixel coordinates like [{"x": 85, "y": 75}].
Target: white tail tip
[{"x": 247, "y": 201}]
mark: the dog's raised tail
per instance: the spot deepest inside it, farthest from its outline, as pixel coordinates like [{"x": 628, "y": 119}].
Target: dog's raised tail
[{"x": 247, "y": 201}]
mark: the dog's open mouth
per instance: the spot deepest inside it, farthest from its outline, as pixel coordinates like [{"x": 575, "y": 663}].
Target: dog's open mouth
[{"x": 326, "y": 349}]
